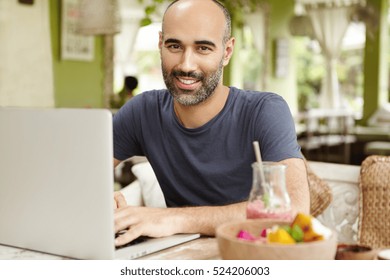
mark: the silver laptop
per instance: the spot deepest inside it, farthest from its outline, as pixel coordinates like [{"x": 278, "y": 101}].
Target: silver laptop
[{"x": 56, "y": 185}]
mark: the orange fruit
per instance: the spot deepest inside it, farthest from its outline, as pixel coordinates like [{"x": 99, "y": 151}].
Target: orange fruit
[
  {"x": 305, "y": 223},
  {"x": 280, "y": 235}
]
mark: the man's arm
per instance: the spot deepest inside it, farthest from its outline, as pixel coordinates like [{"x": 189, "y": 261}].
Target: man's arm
[
  {"x": 158, "y": 222},
  {"x": 297, "y": 185}
]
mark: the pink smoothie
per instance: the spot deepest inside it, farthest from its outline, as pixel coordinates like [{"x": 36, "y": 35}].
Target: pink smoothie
[{"x": 256, "y": 210}]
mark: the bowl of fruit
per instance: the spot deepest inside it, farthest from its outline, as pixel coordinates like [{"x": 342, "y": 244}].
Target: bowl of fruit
[{"x": 305, "y": 238}]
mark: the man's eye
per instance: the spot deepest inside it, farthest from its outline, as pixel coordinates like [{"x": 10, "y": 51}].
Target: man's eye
[
  {"x": 173, "y": 47},
  {"x": 204, "y": 49}
]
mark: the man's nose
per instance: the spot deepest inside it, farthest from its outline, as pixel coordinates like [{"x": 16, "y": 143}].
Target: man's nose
[{"x": 188, "y": 61}]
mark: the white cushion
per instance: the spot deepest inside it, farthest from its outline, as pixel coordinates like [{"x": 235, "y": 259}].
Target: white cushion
[
  {"x": 132, "y": 194},
  {"x": 150, "y": 189}
]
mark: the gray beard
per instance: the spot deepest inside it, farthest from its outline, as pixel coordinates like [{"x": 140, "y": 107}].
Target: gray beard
[{"x": 190, "y": 98}]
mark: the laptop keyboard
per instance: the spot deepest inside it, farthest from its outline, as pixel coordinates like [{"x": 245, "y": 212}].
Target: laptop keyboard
[{"x": 133, "y": 242}]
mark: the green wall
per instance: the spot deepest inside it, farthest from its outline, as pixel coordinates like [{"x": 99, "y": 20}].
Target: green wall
[{"x": 77, "y": 84}]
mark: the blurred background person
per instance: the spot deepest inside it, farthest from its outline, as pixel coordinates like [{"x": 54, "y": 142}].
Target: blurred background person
[{"x": 127, "y": 92}]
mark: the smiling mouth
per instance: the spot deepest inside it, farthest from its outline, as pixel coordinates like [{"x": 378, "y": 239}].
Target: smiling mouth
[{"x": 187, "y": 84}]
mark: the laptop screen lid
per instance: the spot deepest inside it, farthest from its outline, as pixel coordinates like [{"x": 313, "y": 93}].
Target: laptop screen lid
[
  {"x": 56, "y": 185},
  {"x": 56, "y": 181}
]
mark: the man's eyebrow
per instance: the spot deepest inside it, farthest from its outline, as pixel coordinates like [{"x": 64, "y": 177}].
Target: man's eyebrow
[
  {"x": 171, "y": 40},
  {"x": 205, "y": 42}
]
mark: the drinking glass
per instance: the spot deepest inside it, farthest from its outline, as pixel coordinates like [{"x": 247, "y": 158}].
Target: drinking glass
[{"x": 269, "y": 197}]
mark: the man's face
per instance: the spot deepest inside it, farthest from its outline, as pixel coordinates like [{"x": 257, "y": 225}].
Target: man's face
[
  {"x": 181, "y": 84},
  {"x": 192, "y": 54}
]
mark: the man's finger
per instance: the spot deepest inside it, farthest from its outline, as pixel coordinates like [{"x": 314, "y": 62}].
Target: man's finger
[
  {"x": 127, "y": 237},
  {"x": 119, "y": 200}
]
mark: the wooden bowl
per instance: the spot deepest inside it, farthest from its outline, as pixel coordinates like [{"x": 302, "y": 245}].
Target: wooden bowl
[
  {"x": 231, "y": 248},
  {"x": 355, "y": 252}
]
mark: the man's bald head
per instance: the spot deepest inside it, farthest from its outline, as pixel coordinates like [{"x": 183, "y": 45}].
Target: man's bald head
[{"x": 228, "y": 28}]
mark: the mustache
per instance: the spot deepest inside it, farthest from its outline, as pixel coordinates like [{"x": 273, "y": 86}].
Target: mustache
[{"x": 192, "y": 74}]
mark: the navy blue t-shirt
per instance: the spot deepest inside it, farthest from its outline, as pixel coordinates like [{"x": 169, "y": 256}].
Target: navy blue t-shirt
[{"x": 211, "y": 164}]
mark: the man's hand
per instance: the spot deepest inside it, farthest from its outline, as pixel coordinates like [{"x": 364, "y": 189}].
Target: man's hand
[
  {"x": 137, "y": 221},
  {"x": 119, "y": 200}
]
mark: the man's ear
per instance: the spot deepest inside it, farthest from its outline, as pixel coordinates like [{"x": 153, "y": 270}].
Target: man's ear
[{"x": 229, "y": 47}]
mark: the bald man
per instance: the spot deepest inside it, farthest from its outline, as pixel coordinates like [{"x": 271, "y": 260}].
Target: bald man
[{"x": 197, "y": 134}]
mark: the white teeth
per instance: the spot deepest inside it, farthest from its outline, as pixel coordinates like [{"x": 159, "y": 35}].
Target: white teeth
[{"x": 187, "y": 82}]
